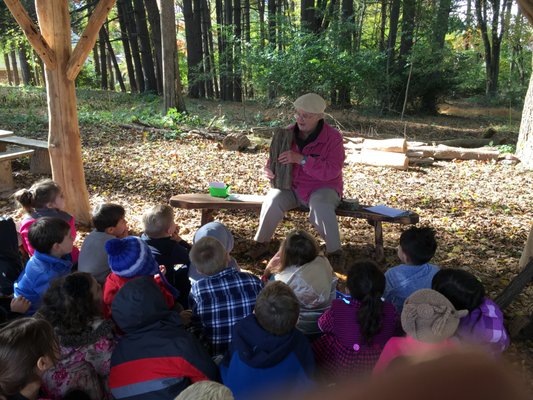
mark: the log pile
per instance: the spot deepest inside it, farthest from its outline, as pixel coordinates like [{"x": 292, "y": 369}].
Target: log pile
[{"x": 399, "y": 153}]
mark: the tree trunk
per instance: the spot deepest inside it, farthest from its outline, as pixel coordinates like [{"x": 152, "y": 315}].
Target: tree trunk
[
  {"x": 113, "y": 59},
  {"x": 103, "y": 60},
  {"x": 237, "y": 62},
  {"x": 383, "y": 25},
  {"x": 168, "y": 47},
  {"x": 155, "y": 25},
  {"x": 64, "y": 133},
  {"x": 146, "y": 48},
  {"x": 129, "y": 19},
  {"x": 25, "y": 66},
  {"x": 193, "y": 33},
  {"x": 9, "y": 71},
  {"x": 36, "y": 68},
  {"x": 262, "y": 31},
  {"x": 228, "y": 22},
  {"x": 524, "y": 147},
  {"x": 208, "y": 59},
  {"x": 96, "y": 60},
  {"x": 14, "y": 67},
  {"x": 408, "y": 30},
  {"x": 110, "y": 70},
  {"x": 126, "y": 47},
  {"x": 221, "y": 47}
]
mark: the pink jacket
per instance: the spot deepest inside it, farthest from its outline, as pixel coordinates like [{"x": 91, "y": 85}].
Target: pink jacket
[{"x": 323, "y": 167}]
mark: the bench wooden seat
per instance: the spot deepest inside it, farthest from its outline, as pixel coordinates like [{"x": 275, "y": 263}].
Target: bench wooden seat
[
  {"x": 5, "y": 133},
  {"x": 207, "y": 204},
  {"x": 40, "y": 161},
  {"x": 6, "y": 173}
]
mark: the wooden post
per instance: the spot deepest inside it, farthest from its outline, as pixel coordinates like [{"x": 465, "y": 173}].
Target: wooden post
[{"x": 64, "y": 134}]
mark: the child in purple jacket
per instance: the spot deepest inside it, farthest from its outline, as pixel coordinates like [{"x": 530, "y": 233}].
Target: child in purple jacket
[{"x": 484, "y": 323}]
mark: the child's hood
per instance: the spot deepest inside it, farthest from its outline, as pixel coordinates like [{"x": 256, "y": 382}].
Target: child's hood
[
  {"x": 139, "y": 304},
  {"x": 259, "y": 348}
]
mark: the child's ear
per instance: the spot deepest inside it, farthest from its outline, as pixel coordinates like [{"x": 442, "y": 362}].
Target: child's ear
[
  {"x": 110, "y": 230},
  {"x": 44, "y": 363}
]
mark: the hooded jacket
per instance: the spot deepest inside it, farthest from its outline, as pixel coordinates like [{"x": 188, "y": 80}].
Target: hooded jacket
[
  {"x": 156, "y": 358},
  {"x": 259, "y": 361},
  {"x": 40, "y": 270}
]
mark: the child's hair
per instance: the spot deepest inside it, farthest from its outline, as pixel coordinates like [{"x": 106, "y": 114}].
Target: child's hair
[
  {"x": 107, "y": 215},
  {"x": 298, "y": 248},
  {"x": 69, "y": 304},
  {"x": 22, "y": 343},
  {"x": 206, "y": 390},
  {"x": 47, "y": 231},
  {"x": 462, "y": 288},
  {"x": 158, "y": 220},
  {"x": 418, "y": 244},
  {"x": 277, "y": 308},
  {"x": 38, "y": 195},
  {"x": 366, "y": 284},
  {"x": 209, "y": 256}
]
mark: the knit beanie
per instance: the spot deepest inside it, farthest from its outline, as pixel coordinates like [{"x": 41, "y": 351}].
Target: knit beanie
[
  {"x": 430, "y": 317},
  {"x": 130, "y": 257},
  {"x": 311, "y": 103}
]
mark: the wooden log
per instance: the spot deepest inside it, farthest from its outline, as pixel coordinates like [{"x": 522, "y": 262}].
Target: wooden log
[
  {"x": 515, "y": 287},
  {"x": 421, "y": 161},
  {"x": 381, "y": 159},
  {"x": 32, "y": 33},
  {"x": 388, "y": 145},
  {"x": 88, "y": 38},
  {"x": 468, "y": 143},
  {"x": 236, "y": 141},
  {"x": 527, "y": 253},
  {"x": 442, "y": 152}
]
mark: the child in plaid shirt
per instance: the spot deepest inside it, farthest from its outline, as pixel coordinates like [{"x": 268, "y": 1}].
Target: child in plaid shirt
[{"x": 224, "y": 297}]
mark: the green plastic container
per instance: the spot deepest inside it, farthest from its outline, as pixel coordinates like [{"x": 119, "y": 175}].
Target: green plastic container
[{"x": 218, "y": 192}]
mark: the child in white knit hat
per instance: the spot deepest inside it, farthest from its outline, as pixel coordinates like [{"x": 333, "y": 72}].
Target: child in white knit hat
[{"x": 429, "y": 319}]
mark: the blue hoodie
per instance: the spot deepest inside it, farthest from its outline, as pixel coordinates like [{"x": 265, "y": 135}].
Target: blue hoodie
[{"x": 259, "y": 362}]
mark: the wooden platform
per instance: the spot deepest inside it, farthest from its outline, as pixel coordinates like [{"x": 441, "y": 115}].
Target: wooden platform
[{"x": 208, "y": 204}]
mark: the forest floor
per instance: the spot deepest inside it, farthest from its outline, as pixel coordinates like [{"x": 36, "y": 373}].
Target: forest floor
[{"x": 481, "y": 210}]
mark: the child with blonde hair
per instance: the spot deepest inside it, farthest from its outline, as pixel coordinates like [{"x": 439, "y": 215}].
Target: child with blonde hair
[{"x": 43, "y": 199}]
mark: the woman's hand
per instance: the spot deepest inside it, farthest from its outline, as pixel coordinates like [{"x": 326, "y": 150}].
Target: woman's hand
[{"x": 290, "y": 157}]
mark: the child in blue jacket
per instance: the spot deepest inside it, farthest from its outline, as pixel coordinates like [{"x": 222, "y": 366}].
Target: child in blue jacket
[
  {"x": 51, "y": 238},
  {"x": 267, "y": 352}
]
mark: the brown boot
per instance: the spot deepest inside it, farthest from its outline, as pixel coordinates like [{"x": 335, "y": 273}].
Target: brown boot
[{"x": 258, "y": 251}]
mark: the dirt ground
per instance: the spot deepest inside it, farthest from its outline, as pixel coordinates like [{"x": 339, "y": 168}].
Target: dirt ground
[{"x": 481, "y": 210}]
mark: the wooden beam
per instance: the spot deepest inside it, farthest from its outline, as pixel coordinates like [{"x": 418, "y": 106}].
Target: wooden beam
[
  {"x": 88, "y": 38},
  {"x": 32, "y": 33}
]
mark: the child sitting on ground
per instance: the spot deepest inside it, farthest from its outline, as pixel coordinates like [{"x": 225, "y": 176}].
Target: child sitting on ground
[
  {"x": 300, "y": 265},
  {"x": 267, "y": 352},
  {"x": 484, "y": 323},
  {"x": 28, "y": 348},
  {"x": 429, "y": 321},
  {"x": 109, "y": 223},
  {"x": 223, "y": 297},
  {"x": 73, "y": 306},
  {"x": 156, "y": 358},
  {"x": 130, "y": 258},
  {"x": 168, "y": 248},
  {"x": 43, "y": 199},
  {"x": 356, "y": 328},
  {"x": 417, "y": 247},
  {"x": 220, "y": 232},
  {"x": 52, "y": 241}
]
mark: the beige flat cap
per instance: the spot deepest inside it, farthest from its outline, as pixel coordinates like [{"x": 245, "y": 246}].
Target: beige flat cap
[{"x": 311, "y": 103}]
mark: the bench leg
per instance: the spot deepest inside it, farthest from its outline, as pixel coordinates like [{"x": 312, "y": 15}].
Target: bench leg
[
  {"x": 207, "y": 216},
  {"x": 40, "y": 162},
  {"x": 378, "y": 240},
  {"x": 6, "y": 176}
]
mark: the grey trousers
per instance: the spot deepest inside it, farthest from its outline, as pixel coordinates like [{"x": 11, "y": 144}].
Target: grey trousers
[{"x": 322, "y": 205}]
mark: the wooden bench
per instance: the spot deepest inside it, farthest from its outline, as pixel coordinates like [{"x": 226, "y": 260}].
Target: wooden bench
[
  {"x": 6, "y": 174},
  {"x": 40, "y": 161},
  {"x": 207, "y": 204}
]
